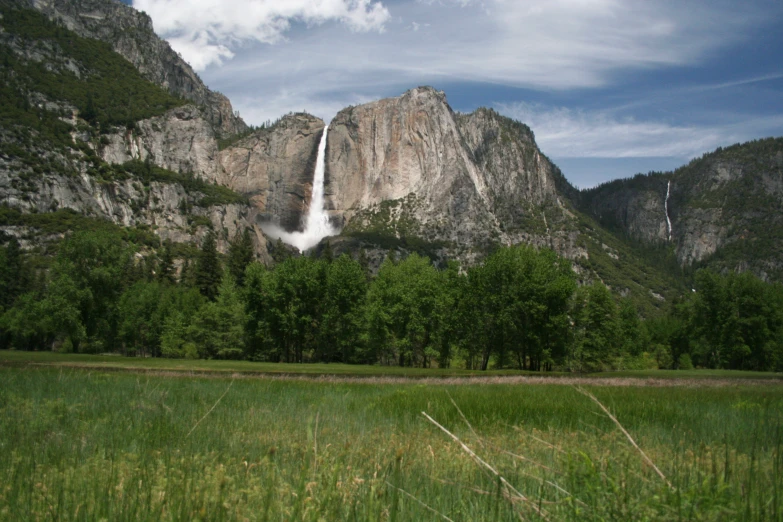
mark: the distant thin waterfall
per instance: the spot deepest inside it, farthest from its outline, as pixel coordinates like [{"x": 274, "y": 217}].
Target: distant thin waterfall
[
  {"x": 317, "y": 224},
  {"x": 666, "y": 207}
]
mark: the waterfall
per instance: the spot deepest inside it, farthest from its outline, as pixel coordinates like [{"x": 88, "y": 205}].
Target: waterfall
[
  {"x": 666, "y": 207},
  {"x": 317, "y": 225}
]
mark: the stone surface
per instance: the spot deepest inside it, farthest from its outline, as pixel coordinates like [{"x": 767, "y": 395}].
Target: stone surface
[
  {"x": 411, "y": 166},
  {"x": 274, "y": 168},
  {"x": 182, "y": 140}
]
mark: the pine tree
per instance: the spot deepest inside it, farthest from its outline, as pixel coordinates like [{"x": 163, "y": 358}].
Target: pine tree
[
  {"x": 364, "y": 262},
  {"x": 279, "y": 252},
  {"x": 12, "y": 274},
  {"x": 327, "y": 254},
  {"x": 89, "y": 113},
  {"x": 166, "y": 265},
  {"x": 240, "y": 254},
  {"x": 208, "y": 271},
  {"x": 187, "y": 276}
]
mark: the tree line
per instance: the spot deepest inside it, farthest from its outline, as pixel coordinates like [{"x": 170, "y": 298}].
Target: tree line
[{"x": 521, "y": 308}]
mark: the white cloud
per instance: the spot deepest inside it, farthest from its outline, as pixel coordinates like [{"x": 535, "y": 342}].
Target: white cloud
[
  {"x": 204, "y": 30},
  {"x": 537, "y": 44},
  {"x": 272, "y": 65},
  {"x": 567, "y": 133}
]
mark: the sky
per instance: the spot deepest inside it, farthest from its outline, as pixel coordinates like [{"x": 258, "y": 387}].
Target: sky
[{"x": 610, "y": 87}]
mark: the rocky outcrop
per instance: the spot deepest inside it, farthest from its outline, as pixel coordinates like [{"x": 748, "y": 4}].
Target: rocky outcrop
[
  {"x": 635, "y": 207},
  {"x": 274, "y": 169},
  {"x": 407, "y": 149},
  {"x": 131, "y": 34},
  {"x": 166, "y": 208},
  {"x": 181, "y": 140},
  {"x": 410, "y": 166}
]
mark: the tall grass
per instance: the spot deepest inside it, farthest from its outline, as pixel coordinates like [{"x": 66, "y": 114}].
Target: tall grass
[{"x": 88, "y": 445}]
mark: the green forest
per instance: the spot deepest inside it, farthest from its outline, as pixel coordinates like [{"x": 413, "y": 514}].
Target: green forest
[{"x": 521, "y": 309}]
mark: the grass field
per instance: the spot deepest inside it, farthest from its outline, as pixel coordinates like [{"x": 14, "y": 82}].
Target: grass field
[
  {"x": 113, "y": 362},
  {"x": 91, "y": 444}
]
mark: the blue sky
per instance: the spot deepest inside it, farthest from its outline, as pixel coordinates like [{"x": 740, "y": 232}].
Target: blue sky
[{"x": 609, "y": 87}]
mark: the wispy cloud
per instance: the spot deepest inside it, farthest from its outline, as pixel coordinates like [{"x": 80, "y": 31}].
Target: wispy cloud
[
  {"x": 204, "y": 31},
  {"x": 568, "y": 133},
  {"x": 537, "y": 44},
  {"x": 274, "y": 56}
]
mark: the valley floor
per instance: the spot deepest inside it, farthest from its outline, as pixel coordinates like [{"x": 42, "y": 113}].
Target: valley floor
[{"x": 80, "y": 440}]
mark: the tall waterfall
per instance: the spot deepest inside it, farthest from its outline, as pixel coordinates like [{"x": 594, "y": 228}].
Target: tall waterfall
[
  {"x": 317, "y": 225},
  {"x": 666, "y": 207}
]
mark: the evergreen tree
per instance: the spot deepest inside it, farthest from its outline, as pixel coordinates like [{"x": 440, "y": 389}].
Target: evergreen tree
[
  {"x": 280, "y": 253},
  {"x": 89, "y": 113},
  {"x": 208, "y": 271},
  {"x": 13, "y": 276},
  {"x": 364, "y": 262},
  {"x": 187, "y": 276},
  {"x": 140, "y": 325},
  {"x": 342, "y": 320},
  {"x": 327, "y": 254},
  {"x": 240, "y": 255},
  {"x": 172, "y": 340},
  {"x": 166, "y": 272},
  {"x": 597, "y": 328},
  {"x": 218, "y": 330},
  {"x": 258, "y": 282}
]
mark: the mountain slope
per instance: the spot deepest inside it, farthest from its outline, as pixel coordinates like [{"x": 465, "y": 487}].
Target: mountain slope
[
  {"x": 725, "y": 209},
  {"x": 82, "y": 129},
  {"x": 131, "y": 35}
]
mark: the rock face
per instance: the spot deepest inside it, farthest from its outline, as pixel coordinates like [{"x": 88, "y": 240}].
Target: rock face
[
  {"x": 407, "y": 148},
  {"x": 634, "y": 207},
  {"x": 274, "y": 168},
  {"x": 130, "y": 33},
  {"x": 167, "y": 208},
  {"x": 182, "y": 140},
  {"x": 410, "y": 166},
  {"x": 724, "y": 208}
]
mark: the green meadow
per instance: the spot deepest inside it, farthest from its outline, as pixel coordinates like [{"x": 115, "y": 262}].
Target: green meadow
[{"x": 88, "y": 443}]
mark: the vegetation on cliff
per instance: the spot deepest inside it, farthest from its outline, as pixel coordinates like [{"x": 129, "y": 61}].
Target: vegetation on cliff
[{"x": 41, "y": 57}]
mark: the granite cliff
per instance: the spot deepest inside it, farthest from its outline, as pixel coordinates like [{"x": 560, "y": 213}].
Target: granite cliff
[
  {"x": 411, "y": 167},
  {"x": 65, "y": 145},
  {"x": 724, "y": 209}
]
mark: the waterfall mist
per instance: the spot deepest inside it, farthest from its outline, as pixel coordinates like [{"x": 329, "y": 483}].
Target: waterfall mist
[{"x": 317, "y": 224}]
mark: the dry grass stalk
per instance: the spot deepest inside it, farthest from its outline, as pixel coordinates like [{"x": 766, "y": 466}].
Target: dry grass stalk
[
  {"x": 315, "y": 445},
  {"x": 210, "y": 410},
  {"x": 531, "y": 461},
  {"x": 550, "y": 483},
  {"x": 545, "y": 443},
  {"x": 510, "y": 489},
  {"x": 419, "y": 501},
  {"x": 465, "y": 419},
  {"x": 628, "y": 435}
]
